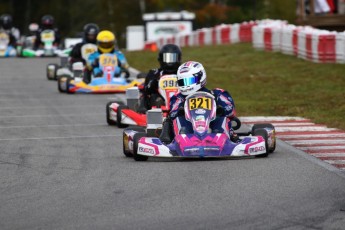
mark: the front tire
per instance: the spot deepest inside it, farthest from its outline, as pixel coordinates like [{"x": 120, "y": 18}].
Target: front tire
[
  {"x": 263, "y": 126},
  {"x": 51, "y": 74},
  {"x": 107, "y": 112},
  {"x": 136, "y": 139},
  {"x": 263, "y": 133},
  {"x": 119, "y": 116}
]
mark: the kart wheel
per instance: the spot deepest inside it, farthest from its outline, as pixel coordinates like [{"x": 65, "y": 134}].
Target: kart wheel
[
  {"x": 126, "y": 152},
  {"x": 51, "y": 71},
  {"x": 262, "y": 126},
  {"x": 68, "y": 82},
  {"x": 262, "y": 132},
  {"x": 59, "y": 84},
  {"x": 124, "y": 143},
  {"x": 107, "y": 112},
  {"x": 136, "y": 139},
  {"x": 119, "y": 117}
]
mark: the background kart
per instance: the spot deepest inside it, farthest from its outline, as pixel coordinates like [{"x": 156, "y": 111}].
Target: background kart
[
  {"x": 124, "y": 115},
  {"x": 6, "y": 50},
  {"x": 200, "y": 110},
  {"x": 113, "y": 80},
  {"x": 54, "y": 70},
  {"x": 48, "y": 49}
]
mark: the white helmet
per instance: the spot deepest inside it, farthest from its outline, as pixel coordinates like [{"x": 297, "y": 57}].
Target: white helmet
[{"x": 191, "y": 77}]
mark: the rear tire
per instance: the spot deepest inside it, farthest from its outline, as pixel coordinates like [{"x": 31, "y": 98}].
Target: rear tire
[
  {"x": 136, "y": 139},
  {"x": 262, "y": 132},
  {"x": 119, "y": 117}
]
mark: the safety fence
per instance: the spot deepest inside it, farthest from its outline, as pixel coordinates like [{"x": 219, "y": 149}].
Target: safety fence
[{"x": 271, "y": 35}]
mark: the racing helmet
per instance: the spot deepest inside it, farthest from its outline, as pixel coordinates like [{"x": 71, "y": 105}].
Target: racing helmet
[
  {"x": 90, "y": 32},
  {"x": 169, "y": 57},
  {"x": 6, "y": 21},
  {"x": 33, "y": 27},
  {"x": 47, "y": 21},
  {"x": 191, "y": 76},
  {"x": 106, "y": 41}
]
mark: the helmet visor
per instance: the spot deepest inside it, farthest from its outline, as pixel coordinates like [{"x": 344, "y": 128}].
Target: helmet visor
[
  {"x": 194, "y": 79},
  {"x": 106, "y": 45},
  {"x": 170, "y": 57}
]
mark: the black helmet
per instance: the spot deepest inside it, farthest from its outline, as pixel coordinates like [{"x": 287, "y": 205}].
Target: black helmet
[
  {"x": 169, "y": 57},
  {"x": 90, "y": 32},
  {"x": 6, "y": 21},
  {"x": 47, "y": 21}
]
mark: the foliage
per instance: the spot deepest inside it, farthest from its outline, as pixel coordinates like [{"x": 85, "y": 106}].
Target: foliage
[{"x": 70, "y": 16}]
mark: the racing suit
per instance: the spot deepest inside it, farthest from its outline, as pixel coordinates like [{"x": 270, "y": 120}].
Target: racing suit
[
  {"x": 222, "y": 123},
  {"x": 93, "y": 61},
  {"x": 14, "y": 36},
  {"x": 149, "y": 89},
  {"x": 76, "y": 53}
]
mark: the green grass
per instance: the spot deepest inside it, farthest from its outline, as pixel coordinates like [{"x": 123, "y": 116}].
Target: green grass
[{"x": 266, "y": 83}]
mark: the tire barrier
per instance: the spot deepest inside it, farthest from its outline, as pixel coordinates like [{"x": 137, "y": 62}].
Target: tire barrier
[{"x": 305, "y": 42}]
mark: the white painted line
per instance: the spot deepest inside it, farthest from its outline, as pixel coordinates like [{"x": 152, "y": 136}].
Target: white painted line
[
  {"x": 332, "y": 141},
  {"x": 304, "y": 129},
  {"x": 48, "y": 126},
  {"x": 335, "y": 161},
  {"x": 328, "y": 154},
  {"x": 270, "y": 118},
  {"x": 52, "y": 138},
  {"x": 286, "y": 137},
  {"x": 54, "y": 115},
  {"x": 49, "y": 107},
  {"x": 322, "y": 147},
  {"x": 292, "y": 124}
]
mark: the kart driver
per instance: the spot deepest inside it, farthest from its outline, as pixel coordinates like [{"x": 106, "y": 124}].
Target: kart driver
[
  {"x": 6, "y": 24},
  {"x": 169, "y": 58},
  {"x": 191, "y": 77},
  {"x": 47, "y": 23},
  {"x": 106, "y": 43},
  {"x": 90, "y": 33}
]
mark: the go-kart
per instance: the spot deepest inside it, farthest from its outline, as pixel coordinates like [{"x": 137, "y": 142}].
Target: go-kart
[
  {"x": 124, "y": 115},
  {"x": 6, "y": 50},
  {"x": 48, "y": 49},
  {"x": 54, "y": 70},
  {"x": 200, "y": 109},
  {"x": 112, "y": 80}
]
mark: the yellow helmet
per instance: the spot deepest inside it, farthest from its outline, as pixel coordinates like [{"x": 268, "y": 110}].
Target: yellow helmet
[{"x": 106, "y": 41}]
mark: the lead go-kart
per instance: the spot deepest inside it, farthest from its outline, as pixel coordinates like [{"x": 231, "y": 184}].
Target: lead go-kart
[
  {"x": 200, "y": 109},
  {"x": 130, "y": 114},
  {"x": 113, "y": 79}
]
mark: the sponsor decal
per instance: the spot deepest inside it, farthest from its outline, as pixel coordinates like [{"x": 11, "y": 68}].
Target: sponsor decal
[
  {"x": 146, "y": 150},
  {"x": 200, "y": 111},
  {"x": 200, "y": 118},
  {"x": 257, "y": 149}
]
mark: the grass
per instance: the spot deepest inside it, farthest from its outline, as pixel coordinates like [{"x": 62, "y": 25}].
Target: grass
[{"x": 266, "y": 83}]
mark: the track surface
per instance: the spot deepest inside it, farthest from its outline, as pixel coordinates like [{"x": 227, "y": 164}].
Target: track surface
[{"x": 62, "y": 167}]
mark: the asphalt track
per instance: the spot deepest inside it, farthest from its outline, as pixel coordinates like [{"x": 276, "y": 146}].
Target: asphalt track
[{"x": 62, "y": 167}]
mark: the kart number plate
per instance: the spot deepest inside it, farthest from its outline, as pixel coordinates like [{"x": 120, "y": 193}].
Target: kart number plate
[
  {"x": 200, "y": 103},
  {"x": 168, "y": 83},
  {"x": 47, "y": 36},
  {"x": 108, "y": 60}
]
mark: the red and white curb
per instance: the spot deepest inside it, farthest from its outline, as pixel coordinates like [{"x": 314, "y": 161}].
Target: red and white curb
[{"x": 326, "y": 144}]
